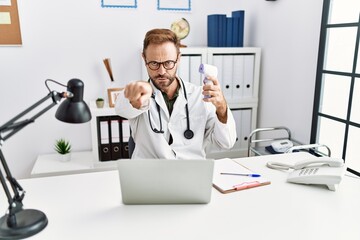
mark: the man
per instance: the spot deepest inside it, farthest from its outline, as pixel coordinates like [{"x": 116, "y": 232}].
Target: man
[{"x": 170, "y": 118}]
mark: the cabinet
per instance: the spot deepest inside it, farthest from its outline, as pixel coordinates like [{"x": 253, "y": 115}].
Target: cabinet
[{"x": 238, "y": 74}]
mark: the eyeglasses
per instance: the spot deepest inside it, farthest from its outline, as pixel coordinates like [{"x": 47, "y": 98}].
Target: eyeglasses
[{"x": 168, "y": 65}]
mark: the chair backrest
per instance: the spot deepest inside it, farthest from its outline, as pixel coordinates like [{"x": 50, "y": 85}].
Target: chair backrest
[
  {"x": 131, "y": 145},
  {"x": 254, "y": 141}
]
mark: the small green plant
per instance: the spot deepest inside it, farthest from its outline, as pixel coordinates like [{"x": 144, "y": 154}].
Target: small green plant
[
  {"x": 62, "y": 146},
  {"x": 100, "y": 102}
]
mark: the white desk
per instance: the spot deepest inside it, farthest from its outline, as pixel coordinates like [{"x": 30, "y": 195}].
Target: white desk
[
  {"x": 88, "y": 206},
  {"x": 81, "y": 162}
]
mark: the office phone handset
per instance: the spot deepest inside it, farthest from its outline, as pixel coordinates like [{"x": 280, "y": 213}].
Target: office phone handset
[{"x": 323, "y": 170}]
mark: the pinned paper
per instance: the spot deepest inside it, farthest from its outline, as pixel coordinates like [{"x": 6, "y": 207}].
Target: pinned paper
[
  {"x": 5, "y": 18},
  {"x": 5, "y": 2}
]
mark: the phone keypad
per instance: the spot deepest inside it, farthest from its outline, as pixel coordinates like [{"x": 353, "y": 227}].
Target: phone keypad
[{"x": 308, "y": 171}]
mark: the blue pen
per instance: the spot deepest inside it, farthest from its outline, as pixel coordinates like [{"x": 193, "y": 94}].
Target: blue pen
[{"x": 243, "y": 174}]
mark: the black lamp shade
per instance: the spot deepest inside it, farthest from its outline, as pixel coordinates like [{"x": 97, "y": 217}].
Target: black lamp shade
[{"x": 74, "y": 109}]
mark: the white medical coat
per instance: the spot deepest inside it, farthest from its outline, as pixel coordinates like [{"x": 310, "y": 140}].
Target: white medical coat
[{"x": 208, "y": 130}]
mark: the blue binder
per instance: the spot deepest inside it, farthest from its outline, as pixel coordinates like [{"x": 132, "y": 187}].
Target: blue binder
[
  {"x": 229, "y": 32},
  {"x": 216, "y": 30},
  {"x": 222, "y": 30},
  {"x": 238, "y": 28},
  {"x": 212, "y": 30}
]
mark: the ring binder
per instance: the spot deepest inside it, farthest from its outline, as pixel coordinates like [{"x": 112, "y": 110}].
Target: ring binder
[{"x": 113, "y": 133}]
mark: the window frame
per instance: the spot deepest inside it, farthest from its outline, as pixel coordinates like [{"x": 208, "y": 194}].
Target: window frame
[{"x": 325, "y": 26}]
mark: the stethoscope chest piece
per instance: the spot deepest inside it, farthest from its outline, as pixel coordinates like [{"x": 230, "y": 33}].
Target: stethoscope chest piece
[{"x": 188, "y": 134}]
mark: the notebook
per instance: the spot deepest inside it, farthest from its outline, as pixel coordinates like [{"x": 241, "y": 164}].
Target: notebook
[
  {"x": 227, "y": 183},
  {"x": 160, "y": 181}
]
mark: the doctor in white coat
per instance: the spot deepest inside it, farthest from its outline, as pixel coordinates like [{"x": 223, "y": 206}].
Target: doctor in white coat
[{"x": 170, "y": 118}]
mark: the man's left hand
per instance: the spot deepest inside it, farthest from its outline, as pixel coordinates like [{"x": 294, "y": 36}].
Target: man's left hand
[{"x": 216, "y": 97}]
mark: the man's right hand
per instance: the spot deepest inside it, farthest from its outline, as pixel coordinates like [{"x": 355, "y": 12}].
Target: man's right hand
[{"x": 138, "y": 93}]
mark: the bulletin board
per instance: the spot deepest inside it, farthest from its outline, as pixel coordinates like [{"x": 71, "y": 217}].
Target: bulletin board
[{"x": 10, "y": 33}]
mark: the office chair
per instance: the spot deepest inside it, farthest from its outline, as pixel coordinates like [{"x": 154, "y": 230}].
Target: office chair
[{"x": 131, "y": 145}]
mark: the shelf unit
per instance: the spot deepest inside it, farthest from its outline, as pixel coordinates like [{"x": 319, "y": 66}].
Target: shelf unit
[{"x": 239, "y": 74}]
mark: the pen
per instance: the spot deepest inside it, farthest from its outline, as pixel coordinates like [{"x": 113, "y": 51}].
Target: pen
[{"x": 243, "y": 174}]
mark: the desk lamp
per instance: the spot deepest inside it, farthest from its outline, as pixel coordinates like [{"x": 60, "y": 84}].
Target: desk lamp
[{"x": 20, "y": 223}]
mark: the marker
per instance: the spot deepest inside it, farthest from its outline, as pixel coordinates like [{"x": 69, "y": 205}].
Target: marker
[{"x": 243, "y": 174}]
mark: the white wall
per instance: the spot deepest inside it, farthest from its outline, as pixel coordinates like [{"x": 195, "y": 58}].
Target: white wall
[{"x": 68, "y": 39}]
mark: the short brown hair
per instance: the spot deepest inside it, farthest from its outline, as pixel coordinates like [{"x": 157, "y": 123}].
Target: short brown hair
[{"x": 159, "y": 36}]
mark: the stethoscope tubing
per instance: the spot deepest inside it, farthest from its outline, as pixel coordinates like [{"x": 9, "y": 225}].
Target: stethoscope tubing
[{"x": 188, "y": 133}]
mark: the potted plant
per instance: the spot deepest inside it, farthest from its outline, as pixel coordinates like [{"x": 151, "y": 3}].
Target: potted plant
[
  {"x": 63, "y": 147},
  {"x": 100, "y": 102}
]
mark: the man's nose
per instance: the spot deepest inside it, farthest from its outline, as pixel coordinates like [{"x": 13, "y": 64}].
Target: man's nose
[{"x": 161, "y": 69}]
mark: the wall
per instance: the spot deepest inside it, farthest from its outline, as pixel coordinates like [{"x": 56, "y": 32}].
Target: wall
[{"x": 68, "y": 39}]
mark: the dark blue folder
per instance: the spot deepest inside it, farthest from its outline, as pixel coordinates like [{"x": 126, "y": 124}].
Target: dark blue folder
[{"x": 238, "y": 26}]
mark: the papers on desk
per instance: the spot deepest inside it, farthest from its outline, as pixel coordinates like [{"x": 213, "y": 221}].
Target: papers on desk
[{"x": 231, "y": 183}]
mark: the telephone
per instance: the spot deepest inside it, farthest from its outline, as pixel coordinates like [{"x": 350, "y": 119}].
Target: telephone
[
  {"x": 282, "y": 145},
  {"x": 322, "y": 170}
]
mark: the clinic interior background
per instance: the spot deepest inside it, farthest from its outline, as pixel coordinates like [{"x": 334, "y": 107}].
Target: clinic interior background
[{"x": 69, "y": 39}]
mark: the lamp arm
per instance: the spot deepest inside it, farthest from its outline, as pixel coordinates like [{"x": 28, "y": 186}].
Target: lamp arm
[
  {"x": 11, "y": 127},
  {"x": 14, "y": 126}
]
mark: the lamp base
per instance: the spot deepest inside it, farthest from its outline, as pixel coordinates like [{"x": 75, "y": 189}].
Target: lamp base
[{"x": 29, "y": 222}]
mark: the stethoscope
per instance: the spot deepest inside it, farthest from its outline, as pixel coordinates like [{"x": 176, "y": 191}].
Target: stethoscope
[{"x": 188, "y": 133}]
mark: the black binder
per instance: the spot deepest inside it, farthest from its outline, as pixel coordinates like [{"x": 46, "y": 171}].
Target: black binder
[
  {"x": 125, "y": 137},
  {"x": 112, "y": 144},
  {"x": 116, "y": 135},
  {"x": 103, "y": 134}
]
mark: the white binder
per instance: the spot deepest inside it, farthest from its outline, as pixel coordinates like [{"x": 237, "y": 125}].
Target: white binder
[
  {"x": 245, "y": 127},
  {"x": 248, "y": 75},
  {"x": 237, "y": 117},
  {"x": 184, "y": 68},
  {"x": 195, "y": 76},
  {"x": 227, "y": 76},
  {"x": 218, "y": 62},
  {"x": 238, "y": 77}
]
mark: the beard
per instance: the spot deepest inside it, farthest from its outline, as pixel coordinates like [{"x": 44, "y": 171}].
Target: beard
[{"x": 163, "y": 81}]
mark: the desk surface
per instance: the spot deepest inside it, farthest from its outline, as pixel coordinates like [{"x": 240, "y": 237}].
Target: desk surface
[
  {"x": 88, "y": 206},
  {"x": 81, "y": 162}
]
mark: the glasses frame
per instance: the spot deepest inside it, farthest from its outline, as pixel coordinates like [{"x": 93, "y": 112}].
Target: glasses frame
[{"x": 162, "y": 63}]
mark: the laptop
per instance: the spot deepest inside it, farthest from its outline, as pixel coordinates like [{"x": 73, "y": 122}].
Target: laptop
[{"x": 161, "y": 181}]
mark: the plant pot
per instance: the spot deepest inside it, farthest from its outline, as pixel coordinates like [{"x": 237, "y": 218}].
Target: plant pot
[
  {"x": 65, "y": 157},
  {"x": 99, "y": 104}
]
